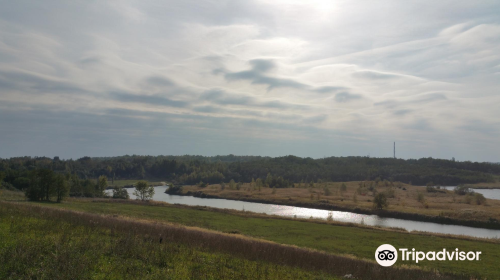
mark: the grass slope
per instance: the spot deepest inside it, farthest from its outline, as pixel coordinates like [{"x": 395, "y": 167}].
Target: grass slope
[
  {"x": 35, "y": 247},
  {"x": 348, "y": 240}
]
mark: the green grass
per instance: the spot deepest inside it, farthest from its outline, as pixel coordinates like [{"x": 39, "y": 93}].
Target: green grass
[
  {"x": 34, "y": 246},
  {"x": 355, "y": 241}
]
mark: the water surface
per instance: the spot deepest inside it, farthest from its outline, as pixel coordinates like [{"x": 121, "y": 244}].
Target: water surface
[{"x": 301, "y": 212}]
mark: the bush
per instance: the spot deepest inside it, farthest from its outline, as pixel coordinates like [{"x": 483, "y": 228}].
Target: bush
[
  {"x": 390, "y": 193},
  {"x": 174, "y": 190},
  {"x": 7, "y": 186},
  {"x": 463, "y": 190},
  {"x": 21, "y": 183},
  {"x": 431, "y": 189},
  {"x": 479, "y": 198},
  {"x": 120, "y": 193},
  {"x": 343, "y": 187},
  {"x": 327, "y": 191},
  {"x": 420, "y": 197},
  {"x": 380, "y": 201}
]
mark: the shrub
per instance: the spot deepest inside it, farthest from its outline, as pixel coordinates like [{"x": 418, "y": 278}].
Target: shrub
[
  {"x": 431, "y": 189},
  {"x": 329, "y": 218},
  {"x": 120, "y": 193},
  {"x": 390, "y": 193},
  {"x": 174, "y": 190},
  {"x": 420, "y": 197},
  {"x": 380, "y": 201},
  {"x": 201, "y": 184},
  {"x": 463, "y": 190},
  {"x": 7, "y": 186},
  {"x": 479, "y": 198},
  {"x": 327, "y": 191},
  {"x": 21, "y": 183},
  {"x": 343, "y": 187}
]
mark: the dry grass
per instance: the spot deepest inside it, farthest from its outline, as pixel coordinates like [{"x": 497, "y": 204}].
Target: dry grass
[{"x": 247, "y": 248}]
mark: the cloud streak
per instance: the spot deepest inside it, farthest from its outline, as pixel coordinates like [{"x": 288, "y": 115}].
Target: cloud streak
[{"x": 256, "y": 77}]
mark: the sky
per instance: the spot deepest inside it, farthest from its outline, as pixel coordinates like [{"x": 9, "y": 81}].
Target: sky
[{"x": 313, "y": 78}]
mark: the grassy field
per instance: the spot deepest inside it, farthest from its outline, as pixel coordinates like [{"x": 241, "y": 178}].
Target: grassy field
[
  {"x": 354, "y": 241},
  {"x": 47, "y": 247},
  {"x": 403, "y": 199}
]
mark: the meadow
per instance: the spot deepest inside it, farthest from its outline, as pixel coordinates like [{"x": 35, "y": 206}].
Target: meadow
[
  {"x": 349, "y": 244},
  {"x": 38, "y": 244}
]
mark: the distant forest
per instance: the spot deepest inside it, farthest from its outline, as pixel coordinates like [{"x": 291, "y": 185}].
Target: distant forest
[{"x": 284, "y": 171}]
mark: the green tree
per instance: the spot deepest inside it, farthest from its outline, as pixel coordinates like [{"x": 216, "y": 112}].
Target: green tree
[
  {"x": 76, "y": 188},
  {"x": 41, "y": 185},
  {"x": 61, "y": 187},
  {"x": 258, "y": 183},
  {"x": 232, "y": 184},
  {"x": 380, "y": 201},
  {"x": 143, "y": 191},
  {"x": 102, "y": 184},
  {"x": 269, "y": 180}
]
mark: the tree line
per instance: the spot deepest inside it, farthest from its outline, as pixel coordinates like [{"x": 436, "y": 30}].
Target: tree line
[{"x": 280, "y": 172}]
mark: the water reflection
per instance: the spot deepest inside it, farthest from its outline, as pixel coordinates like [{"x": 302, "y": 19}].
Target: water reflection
[{"x": 300, "y": 212}]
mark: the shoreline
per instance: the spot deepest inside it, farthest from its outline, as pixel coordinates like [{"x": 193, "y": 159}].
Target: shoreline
[{"x": 381, "y": 213}]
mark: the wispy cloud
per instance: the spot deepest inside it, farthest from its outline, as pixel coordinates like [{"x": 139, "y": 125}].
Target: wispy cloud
[{"x": 254, "y": 77}]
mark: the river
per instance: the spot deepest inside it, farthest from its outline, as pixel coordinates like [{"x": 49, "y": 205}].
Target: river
[{"x": 301, "y": 212}]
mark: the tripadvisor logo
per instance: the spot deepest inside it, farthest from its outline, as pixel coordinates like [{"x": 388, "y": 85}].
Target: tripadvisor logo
[{"x": 387, "y": 255}]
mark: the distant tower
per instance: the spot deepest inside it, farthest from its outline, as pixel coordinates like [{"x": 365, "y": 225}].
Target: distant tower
[{"x": 394, "y": 149}]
